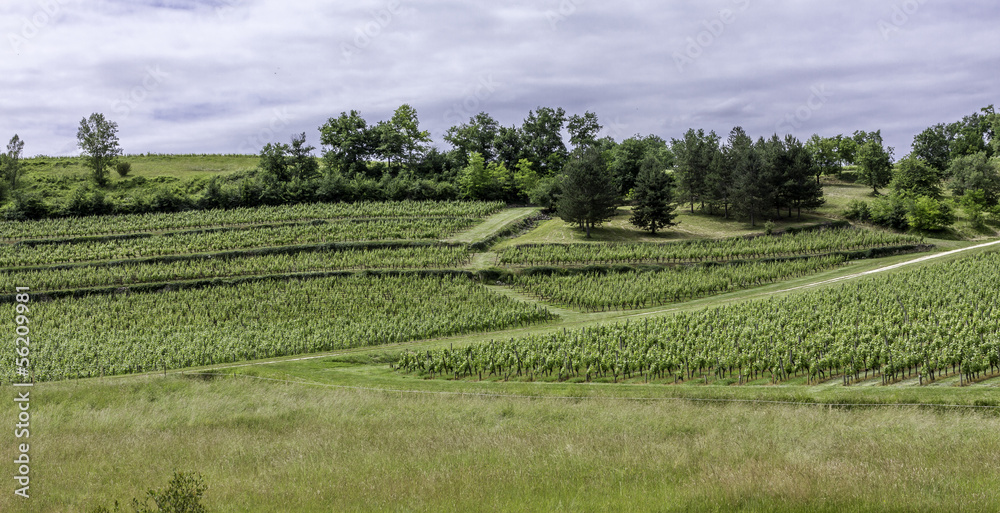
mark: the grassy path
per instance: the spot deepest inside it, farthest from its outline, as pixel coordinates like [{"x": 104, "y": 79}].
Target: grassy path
[{"x": 493, "y": 225}]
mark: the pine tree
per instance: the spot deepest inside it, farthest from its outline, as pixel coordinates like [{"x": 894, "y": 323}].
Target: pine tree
[
  {"x": 587, "y": 198},
  {"x": 751, "y": 187},
  {"x": 694, "y": 158},
  {"x": 803, "y": 191},
  {"x": 654, "y": 197}
]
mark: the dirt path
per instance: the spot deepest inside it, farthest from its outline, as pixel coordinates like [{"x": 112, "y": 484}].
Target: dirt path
[{"x": 891, "y": 267}]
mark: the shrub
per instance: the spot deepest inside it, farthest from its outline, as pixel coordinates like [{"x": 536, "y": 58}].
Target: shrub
[
  {"x": 858, "y": 210},
  {"x": 926, "y": 213},
  {"x": 890, "y": 212},
  {"x": 123, "y": 168},
  {"x": 182, "y": 495}
]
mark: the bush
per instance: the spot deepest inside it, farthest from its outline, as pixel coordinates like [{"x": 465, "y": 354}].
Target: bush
[
  {"x": 182, "y": 495},
  {"x": 546, "y": 192},
  {"x": 926, "y": 213},
  {"x": 123, "y": 169},
  {"x": 87, "y": 202},
  {"x": 858, "y": 210},
  {"x": 889, "y": 212},
  {"x": 27, "y": 205},
  {"x": 974, "y": 204},
  {"x": 168, "y": 200}
]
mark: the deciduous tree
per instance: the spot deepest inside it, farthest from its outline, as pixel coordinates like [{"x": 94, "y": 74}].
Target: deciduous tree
[
  {"x": 98, "y": 139},
  {"x": 348, "y": 142},
  {"x": 11, "y": 164},
  {"x": 479, "y": 135},
  {"x": 543, "y": 142},
  {"x": 931, "y": 145},
  {"x": 874, "y": 162},
  {"x": 583, "y": 129},
  {"x": 976, "y": 172},
  {"x": 915, "y": 176}
]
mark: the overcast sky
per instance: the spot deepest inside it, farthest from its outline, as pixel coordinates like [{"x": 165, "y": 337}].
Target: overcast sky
[{"x": 228, "y": 76}]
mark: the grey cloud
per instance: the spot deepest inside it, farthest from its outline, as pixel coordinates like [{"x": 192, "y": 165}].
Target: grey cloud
[{"x": 231, "y": 67}]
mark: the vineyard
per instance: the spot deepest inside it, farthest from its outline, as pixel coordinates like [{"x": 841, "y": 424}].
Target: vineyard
[
  {"x": 921, "y": 325},
  {"x": 315, "y": 232},
  {"x": 739, "y": 248},
  {"x": 169, "y": 291},
  {"x": 202, "y": 219},
  {"x": 405, "y": 257},
  {"x": 104, "y": 335},
  {"x": 631, "y": 290}
]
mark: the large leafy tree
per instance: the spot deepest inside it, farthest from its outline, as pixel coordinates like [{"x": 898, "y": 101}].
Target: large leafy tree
[
  {"x": 98, "y": 139},
  {"x": 479, "y": 135},
  {"x": 274, "y": 161},
  {"x": 847, "y": 150},
  {"x": 874, "y": 162},
  {"x": 543, "y": 142},
  {"x": 653, "y": 197},
  {"x": 509, "y": 146},
  {"x": 482, "y": 181},
  {"x": 348, "y": 142},
  {"x": 976, "y": 173},
  {"x": 400, "y": 139},
  {"x": 583, "y": 129},
  {"x": 586, "y": 199},
  {"x": 932, "y": 146},
  {"x": 11, "y": 162},
  {"x": 625, "y": 159},
  {"x": 969, "y": 136},
  {"x": 415, "y": 140},
  {"x": 993, "y": 126},
  {"x": 915, "y": 176},
  {"x": 824, "y": 154},
  {"x": 301, "y": 162}
]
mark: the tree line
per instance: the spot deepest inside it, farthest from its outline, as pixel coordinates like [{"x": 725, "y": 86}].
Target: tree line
[
  {"x": 961, "y": 156},
  {"x": 548, "y": 160}
]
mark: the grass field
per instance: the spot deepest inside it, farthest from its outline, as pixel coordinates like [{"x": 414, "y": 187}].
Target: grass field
[
  {"x": 308, "y": 448},
  {"x": 146, "y": 166}
]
